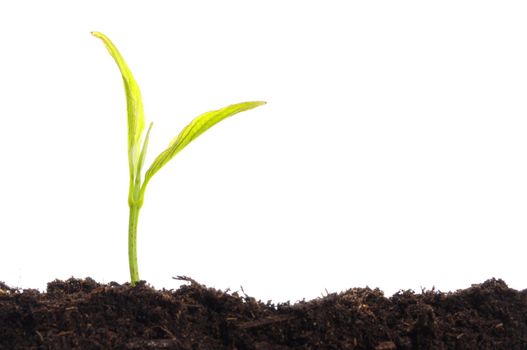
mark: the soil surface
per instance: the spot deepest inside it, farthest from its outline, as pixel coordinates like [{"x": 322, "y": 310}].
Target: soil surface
[{"x": 83, "y": 314}]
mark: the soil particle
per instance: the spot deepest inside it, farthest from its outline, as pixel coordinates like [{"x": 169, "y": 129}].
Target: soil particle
[{"x": 84, "y": 314}]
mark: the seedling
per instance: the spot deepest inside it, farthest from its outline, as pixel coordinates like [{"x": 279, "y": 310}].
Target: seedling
[{"x": 137, "y": 145}]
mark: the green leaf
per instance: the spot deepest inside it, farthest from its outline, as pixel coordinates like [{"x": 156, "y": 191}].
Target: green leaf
[
  {"x": 134, "y": 104},
  {"x": 197, "y": 127}
]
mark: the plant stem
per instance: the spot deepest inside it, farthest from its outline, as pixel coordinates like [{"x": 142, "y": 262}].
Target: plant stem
[{"x": 132, "y": 243}]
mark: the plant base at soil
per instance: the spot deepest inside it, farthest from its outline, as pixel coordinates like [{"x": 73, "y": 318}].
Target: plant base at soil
[{"x": 83, "y": 314}]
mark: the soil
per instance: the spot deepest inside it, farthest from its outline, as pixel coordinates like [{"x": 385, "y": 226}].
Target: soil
[{"x": 83, "y": 314}]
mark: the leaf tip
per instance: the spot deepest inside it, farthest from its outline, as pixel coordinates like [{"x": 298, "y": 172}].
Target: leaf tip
[{"x": 101, "y": 36}]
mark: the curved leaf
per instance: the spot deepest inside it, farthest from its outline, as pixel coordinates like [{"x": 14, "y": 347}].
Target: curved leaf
[
  {"x": 134, "y": 104},
  {"x": 197, "y": 127}
]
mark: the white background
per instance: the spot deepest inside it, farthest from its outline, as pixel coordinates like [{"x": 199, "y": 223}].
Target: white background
[{"x": 392, "y": 151}]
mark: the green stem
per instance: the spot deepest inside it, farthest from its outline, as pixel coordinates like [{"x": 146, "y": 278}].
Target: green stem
[{"x": 132, "y": 243}]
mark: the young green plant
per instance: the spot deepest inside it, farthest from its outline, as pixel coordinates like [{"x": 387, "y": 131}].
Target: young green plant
[{"x": 137, "y": 145}]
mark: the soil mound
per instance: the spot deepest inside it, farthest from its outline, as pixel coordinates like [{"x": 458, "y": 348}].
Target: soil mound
[{"x": 83, "y": 314}]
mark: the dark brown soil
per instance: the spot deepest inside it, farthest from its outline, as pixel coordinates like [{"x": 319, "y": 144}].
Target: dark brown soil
[{"x": 83, "y": 314}]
